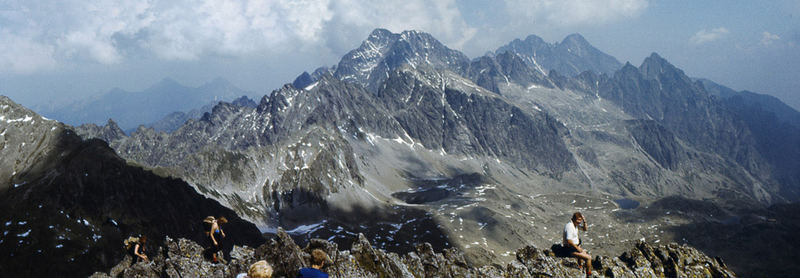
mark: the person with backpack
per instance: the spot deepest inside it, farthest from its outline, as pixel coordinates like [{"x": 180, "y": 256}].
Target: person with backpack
[
  {"x": 215, "y": 234},
  {"x": 572, "y": 243}
]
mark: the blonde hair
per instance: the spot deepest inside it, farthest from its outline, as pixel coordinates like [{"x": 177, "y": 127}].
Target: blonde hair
[
  {"x": 222, "y": 220},
  {"x": 260, "y": 269},
  {"x": 318, "y": 257}
]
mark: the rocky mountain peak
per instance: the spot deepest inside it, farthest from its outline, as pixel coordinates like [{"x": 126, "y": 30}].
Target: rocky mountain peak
[
  {"x": 576, "y": 44},
  {"x": 380, "y": 34},
  {"x": 627, "y": 70},
  {"x": 244, "y": 101},
  {"x": 575, "y": 39},
  {"x": 383, "y": 52},
  {"x": 302, "y": 80},
  {"x": 112, "y": 124},
  {"x": 655, "y": 66},
  {"x": 422, "y": 38},
  {"x": 570, "y": 57},
  {"x": 533, "y": 40}
]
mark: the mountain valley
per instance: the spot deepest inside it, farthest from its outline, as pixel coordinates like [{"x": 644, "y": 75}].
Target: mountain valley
[{"x": 407, "y": 141}]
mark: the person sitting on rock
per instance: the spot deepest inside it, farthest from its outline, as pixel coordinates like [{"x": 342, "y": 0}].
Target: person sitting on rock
[
  {"x": 215, "y": 235},
  {"x": 260, "y": 269},
  {"x": 572, "y": 242},
  {"x": 138, "y": 250},
  {"x": 318, "y": 258}
]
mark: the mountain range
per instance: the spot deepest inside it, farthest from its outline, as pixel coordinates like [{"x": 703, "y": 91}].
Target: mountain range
[
  {"x": 68, "y": 203},
  {"x": 131, "y": 109},
  {"x": 406, "y": 140}
]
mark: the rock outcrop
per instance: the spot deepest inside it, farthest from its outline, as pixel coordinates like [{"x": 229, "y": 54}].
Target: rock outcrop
[
  {"x": 68, "y": 203},
  {"x": 182, "y": 258}
]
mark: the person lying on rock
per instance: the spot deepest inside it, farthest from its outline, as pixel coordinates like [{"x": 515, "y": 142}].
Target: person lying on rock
[
  {"x": 572, "y": 242},
  {"x": 318, "y": 259}
]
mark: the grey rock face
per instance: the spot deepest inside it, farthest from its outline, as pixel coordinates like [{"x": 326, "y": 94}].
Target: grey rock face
[
  {"x": 783, "y": 112},
  {"x": 362, "y": 260},
  {"x": 109, "y": 132},
  {"x": 465, "y": 122},
  {"x": 571, "y": 57},
  {"x": 75, "y": 199},
  {"x": 308, "y": 136},
  {"x": 383, "y": 52},
  {"x": 506, "y": 67},
  {"x": 658, "y": 142},
  {"x": 661, "y": 92}
]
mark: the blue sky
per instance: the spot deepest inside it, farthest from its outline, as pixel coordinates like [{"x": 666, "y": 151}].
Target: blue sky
[{"x": 57, "y": 51}]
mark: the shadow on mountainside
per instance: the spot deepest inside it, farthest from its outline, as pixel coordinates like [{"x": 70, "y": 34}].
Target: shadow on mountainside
[
  {"x": 74, "y": 208},
  {"x": 393, "y": 228},
  {"x": 761, "y": 243},
  {"x": 753, "y": 242}
]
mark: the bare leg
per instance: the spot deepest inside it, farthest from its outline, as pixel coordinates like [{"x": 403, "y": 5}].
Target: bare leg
[{"x": 583, "y": 256}]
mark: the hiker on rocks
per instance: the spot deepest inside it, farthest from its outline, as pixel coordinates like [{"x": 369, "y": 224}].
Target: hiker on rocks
[
  {"x": 138, "y": 250},
  {"x": 318, "y": 259},
  {"x": 215, "y": 234},
  {"x": 572, "y": 242},
  {"x": 260, "y": 269}
]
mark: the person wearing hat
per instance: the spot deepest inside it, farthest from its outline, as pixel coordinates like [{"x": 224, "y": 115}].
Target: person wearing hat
[{"x": 318, "y": 259}]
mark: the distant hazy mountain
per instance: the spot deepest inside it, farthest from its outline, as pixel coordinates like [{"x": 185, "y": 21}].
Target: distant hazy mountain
[
  {"x": 783, "y": 112},
  {"x": 570, "y": 57},
  {"x": 131, "y": 109},
  {"x": 175, "y": 120}
]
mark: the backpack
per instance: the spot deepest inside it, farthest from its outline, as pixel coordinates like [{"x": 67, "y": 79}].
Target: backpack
[{"x": 130, "y": 242}]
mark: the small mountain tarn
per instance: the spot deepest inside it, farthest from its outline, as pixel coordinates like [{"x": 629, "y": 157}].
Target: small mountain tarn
[
  {"x": 432, "y": 190},
  {"x": 394, "y": 229},
  {"x": 626, "y": 203}
]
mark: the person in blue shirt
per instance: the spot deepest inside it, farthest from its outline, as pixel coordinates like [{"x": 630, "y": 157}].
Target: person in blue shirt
[{"x": 318, "y": 258}]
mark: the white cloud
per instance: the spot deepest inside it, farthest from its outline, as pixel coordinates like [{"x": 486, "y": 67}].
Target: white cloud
[
  {"x": 23, "y": 55},
  {"x": 569, "y": 13},
  {"x": 767, "y": 38},
  {"x": 705, "y": 36},
  {"x": 108, "y": 31},
  {"x": 440, "y": 18}
]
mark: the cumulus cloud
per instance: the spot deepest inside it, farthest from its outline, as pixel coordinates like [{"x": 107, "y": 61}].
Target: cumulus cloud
[
  {"x": 767, "y": 38},
  {"x": 440, "y": 18},
  {"x": 23, "y": 55},
  {"x": 704, "y": 36},
  {"x": 568, "y": 13},
  {"x": 39, "y": 34}
]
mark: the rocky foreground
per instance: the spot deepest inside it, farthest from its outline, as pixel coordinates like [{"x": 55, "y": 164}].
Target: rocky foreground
[{"x": 183, "y": 258}]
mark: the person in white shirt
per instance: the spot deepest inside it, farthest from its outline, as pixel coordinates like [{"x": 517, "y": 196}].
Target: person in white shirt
[{"x": 572, "y": 242}]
